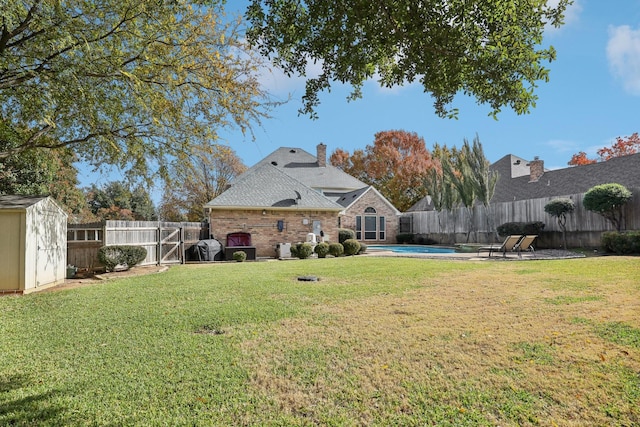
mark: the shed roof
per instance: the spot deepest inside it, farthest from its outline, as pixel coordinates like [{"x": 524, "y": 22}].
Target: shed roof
[{"x": 15, "y": 201}]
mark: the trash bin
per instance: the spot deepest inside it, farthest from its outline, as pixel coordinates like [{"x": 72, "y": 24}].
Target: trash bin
[{"x": 283, "y": 250}]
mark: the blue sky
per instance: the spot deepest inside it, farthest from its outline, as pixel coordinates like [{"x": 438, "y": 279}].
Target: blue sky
[{"x": 593, "y": 96}]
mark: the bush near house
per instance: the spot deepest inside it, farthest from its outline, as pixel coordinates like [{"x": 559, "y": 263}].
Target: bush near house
[
  {"x": 112, "y": 256},
  {"x": 621, "y": 243},
  {"x": 322, "y": 249},
  {"x": 509, "y": 228},
  {"x": 351, "y": 247},
  {"x": 302, "y": 250},
  {"x": 363, "y": 248},
  {"x": 336, "y": 249},
  {"x": 404, "y": 238},
  {"x": 345, "y": 234},
  {"x": 240, "y": 256}
]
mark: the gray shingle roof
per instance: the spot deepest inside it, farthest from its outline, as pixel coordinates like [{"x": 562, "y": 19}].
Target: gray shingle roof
[
  {"x": 12, "y": 201},
  {"x": 304, "y": 167},
  {"x": 623, "y": 170},
  {"x": 269, "y": 187}
]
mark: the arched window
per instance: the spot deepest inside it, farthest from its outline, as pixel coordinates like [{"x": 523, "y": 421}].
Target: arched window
[{"x": 371, "y": 224}]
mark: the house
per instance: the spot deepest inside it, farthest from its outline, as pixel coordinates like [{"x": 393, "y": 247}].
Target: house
[
  {"x": 520, "y": 179},
  {"x": 521, "y": 193},
  {"x": 524, "y": 180},
  {"x": 292, "y": 193},
  {"x": 33, "y": 248}
]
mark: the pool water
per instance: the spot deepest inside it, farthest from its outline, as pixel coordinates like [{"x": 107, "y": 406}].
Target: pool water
[{"x": 412, "y": 249}]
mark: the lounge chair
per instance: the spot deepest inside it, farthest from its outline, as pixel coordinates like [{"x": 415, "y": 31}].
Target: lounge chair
[
  {"x": 526, "y": 245},
  {"x": 507, "y": 246}
]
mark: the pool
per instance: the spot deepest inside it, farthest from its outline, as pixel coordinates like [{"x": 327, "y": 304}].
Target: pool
[{"x": 412, "y": 249}]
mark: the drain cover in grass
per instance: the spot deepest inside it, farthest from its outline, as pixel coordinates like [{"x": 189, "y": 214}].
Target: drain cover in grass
[{"x": 308, "y": 279}]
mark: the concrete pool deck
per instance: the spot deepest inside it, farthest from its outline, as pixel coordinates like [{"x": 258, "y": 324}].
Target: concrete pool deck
[{"x": 542, "y": 254}]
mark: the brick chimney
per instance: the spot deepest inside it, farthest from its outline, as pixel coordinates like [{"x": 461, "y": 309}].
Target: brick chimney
[
  {"x": 536, "y": 169},
  {"x": 322, "y": 155}
]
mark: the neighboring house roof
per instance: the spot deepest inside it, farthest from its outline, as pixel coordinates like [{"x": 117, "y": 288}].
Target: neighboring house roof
[
  {"x": 352, "y": 197},
  {"x": 515, "y": 181},
  {"x": 306, "y": 168},
  {"x": 269, "y": 187}
]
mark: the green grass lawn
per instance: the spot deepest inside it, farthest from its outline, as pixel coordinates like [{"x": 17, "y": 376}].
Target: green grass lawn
[{"x": 377, "y": 341}]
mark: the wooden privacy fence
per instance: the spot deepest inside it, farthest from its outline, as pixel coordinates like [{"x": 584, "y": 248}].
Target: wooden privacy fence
[
  {"x": 165, "y": 242},
  {"x": 584, "y": 228}
]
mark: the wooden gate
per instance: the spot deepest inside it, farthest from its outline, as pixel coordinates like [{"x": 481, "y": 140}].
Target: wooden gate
[
  {"x": 165, "y": 242},
  {"x": 170, "y": 247}
]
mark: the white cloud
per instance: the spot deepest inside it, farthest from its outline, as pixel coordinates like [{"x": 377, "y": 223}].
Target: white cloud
[
  {"x": 623, "y": 54},
  {"x": 571, "y": 15},
  {"x": 562, "y": 146}
]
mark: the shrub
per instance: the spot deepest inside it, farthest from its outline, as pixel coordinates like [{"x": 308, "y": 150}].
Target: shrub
[
  {"x": 345, "y": 234},
  {"x": 621, "y": 243},
  {"x": 509, "y": 228},
  {"x": 608, "y": 200},
  {"x": 363, "y": 248},
  {"x": 404, "y": 238},
  {"x": 351, "y": 247},
  {"x": 322, "y": 249},
  {"x": 302, "y": 250},
  {"x": 336, "y": 249},
  {"x": 112, "y": 256},
  {"x": 425, "y": 240},
  {"x": 240, "y": 256}
]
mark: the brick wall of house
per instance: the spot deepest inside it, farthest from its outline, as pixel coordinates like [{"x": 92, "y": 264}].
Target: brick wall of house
[
  {"x": 371, "y": 199},
  {"x": 264, "y": 228}
]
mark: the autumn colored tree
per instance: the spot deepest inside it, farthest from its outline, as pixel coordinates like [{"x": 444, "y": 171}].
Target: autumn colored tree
[
  {"x": 580, "y": 159},
  {"x": 492, "y": 50},
  {"x": 621, "y": 147},
  {"x": 198, "y": 180},
  {"x": 130, "y": 83},
  {"x": 396, "y": 165}
]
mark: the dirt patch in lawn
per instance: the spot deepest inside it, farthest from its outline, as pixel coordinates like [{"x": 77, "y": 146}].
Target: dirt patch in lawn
[{"x": 102, "y": 277}]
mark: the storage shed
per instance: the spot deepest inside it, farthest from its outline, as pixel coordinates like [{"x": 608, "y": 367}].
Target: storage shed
[{"x": 33, "y": 243}]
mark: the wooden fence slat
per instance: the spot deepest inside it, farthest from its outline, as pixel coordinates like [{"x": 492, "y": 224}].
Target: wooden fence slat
[{"x": 584, "y": 228}]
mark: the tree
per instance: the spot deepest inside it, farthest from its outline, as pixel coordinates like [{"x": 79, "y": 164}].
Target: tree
[
  {"x": 117, "y": 201},
  {"x": 487, "y": 49},
  {"x": 197, "y": 181},
  {"x": 560, "y": 208},
  {"x": 482, "y": 178},
  {"x": 396, "y": 165},
  {"x": 622, "y": 147},
  {"x": 131, "y": 83},
  {"x": 608, "y": 200},
  {"x": 456, "y": 169},
  {"x": 40, "y": 172},
  {"x": 580, "y": 159},
  {"x": 439, "y": 186}
]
